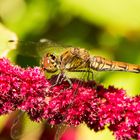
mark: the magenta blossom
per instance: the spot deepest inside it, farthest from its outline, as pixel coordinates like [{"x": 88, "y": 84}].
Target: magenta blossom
[{"x": 30, "y": 91}]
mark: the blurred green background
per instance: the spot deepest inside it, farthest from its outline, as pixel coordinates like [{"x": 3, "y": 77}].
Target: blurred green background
[{"x": 110, "y": 28}]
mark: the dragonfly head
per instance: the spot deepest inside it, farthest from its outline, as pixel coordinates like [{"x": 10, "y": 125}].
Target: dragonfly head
[{"x": 49, "y": 63}]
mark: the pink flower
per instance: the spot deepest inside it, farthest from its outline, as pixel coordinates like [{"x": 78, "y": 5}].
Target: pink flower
[
  {"x": 21, "y": 89},
  {"x": 29, "y": 90}
]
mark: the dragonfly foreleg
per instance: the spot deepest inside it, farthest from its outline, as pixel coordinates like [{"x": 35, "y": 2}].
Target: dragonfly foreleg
[
  {"x": 60, "y": 78},
  {"x": 57, "y": 80}
]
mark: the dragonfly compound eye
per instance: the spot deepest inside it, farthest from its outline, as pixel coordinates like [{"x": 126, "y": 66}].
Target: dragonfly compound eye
[{"x": 49, "y": 63}]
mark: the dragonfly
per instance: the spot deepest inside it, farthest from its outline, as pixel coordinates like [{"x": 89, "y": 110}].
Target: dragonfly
[
  {"x": 71, "y": 59},
  {"x": 79, "y": 59}
]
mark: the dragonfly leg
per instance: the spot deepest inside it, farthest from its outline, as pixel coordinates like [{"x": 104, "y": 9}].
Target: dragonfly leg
[
  {"x": 69, "y": 81},
  {"x": 59, "y": 80},
  {"x": 65, "y": 78},
  {"x": 92, "y": 74},
  {"x": 89, "y": 72}
]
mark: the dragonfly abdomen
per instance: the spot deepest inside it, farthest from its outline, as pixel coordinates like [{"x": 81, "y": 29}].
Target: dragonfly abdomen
[{"x": 102, "y": 64}]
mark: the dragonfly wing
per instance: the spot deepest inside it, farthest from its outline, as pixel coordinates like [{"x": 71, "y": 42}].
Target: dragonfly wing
[
  {"x": 37, "y": 49},
  {"x": 17, "y": 127},
  {"x": 60, "y": 131}
]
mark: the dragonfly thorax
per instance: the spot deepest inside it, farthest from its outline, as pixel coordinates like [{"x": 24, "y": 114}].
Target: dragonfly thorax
[{"x": 50, "y": 63}]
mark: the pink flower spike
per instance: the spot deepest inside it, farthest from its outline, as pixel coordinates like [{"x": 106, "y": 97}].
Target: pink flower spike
[
  {"x": 88, "y": 102},
  {"x": 21, "y": 88}
]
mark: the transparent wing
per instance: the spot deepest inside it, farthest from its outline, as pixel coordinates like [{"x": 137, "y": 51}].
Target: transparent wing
[
  {"x": 17, "y": 127},
  {"x": 31, "y": 48},
  {"x": 60, "y": 131},
  {"x": 24, "y": 128}
]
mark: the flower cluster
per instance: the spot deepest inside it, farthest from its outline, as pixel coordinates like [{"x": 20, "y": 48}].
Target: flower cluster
[
  {"x": 86, "y": 102},
  {"x": 21, "y": 89}
]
